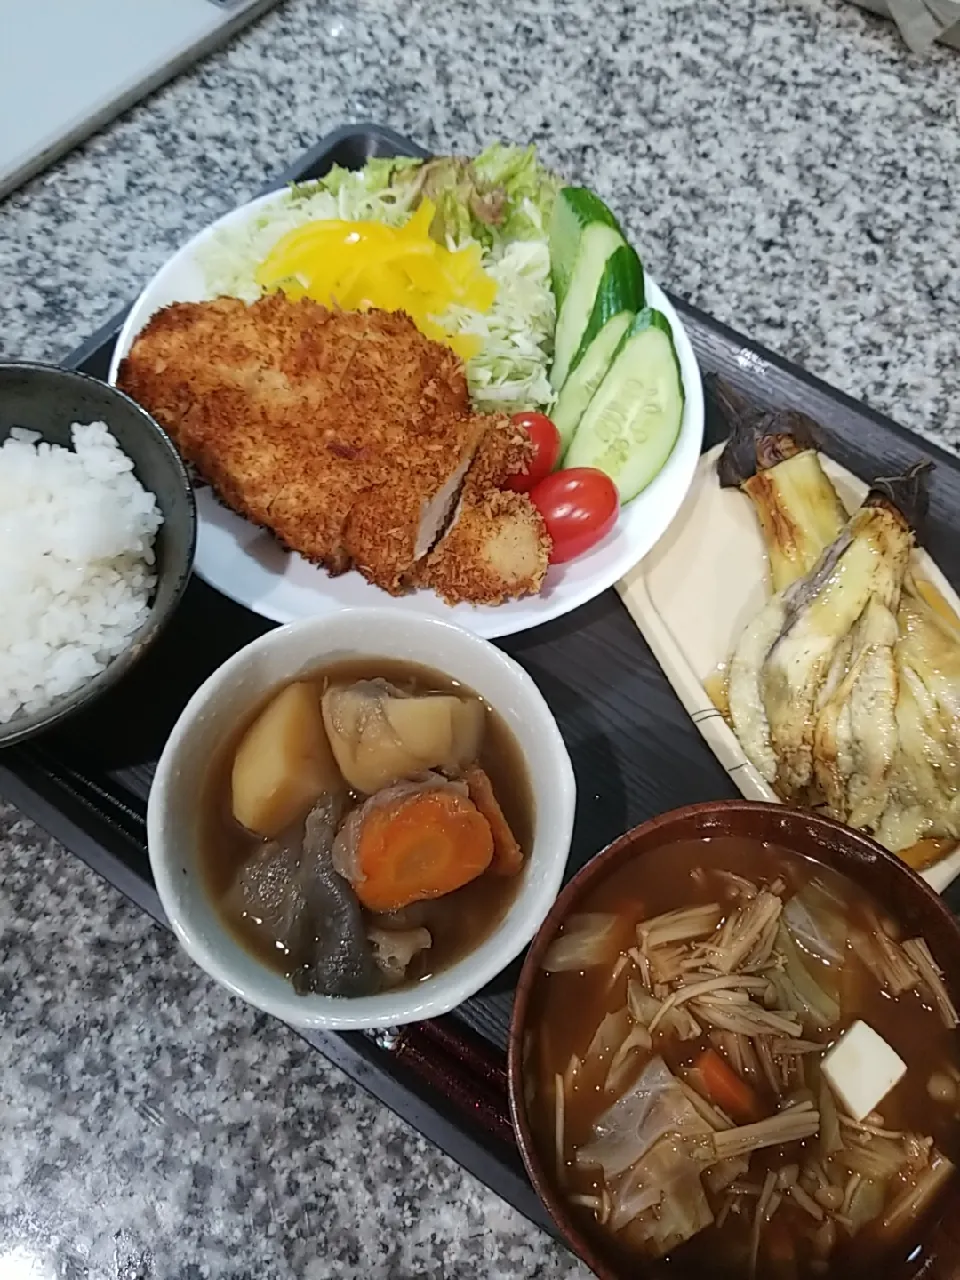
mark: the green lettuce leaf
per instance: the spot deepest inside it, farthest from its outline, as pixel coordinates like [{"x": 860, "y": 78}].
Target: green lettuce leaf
[
  {"x": 379, "y": 175},
  {"x": 529, "y": 189},
  {"x": 502, "y": 195},
  {"x": 502, "y": 198}
]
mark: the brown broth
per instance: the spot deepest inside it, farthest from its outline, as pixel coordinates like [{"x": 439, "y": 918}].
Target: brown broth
[
  {"x": 567, "y": 1007},
  {"x": 458, "y": 922}
]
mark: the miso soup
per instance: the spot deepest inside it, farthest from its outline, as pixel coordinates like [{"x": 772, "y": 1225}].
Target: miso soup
[{"x": 679, "y": 1075}]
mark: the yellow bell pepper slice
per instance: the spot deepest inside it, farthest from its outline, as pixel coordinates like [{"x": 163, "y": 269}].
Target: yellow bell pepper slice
[
  {"x": 418, "y": 227},
  {"x": 358, "y": 265}
]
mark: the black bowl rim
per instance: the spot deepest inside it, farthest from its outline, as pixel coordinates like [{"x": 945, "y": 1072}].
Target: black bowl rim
[{"x": 23, "y": 727}]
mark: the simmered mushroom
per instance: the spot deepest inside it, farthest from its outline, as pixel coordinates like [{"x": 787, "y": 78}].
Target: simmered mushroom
[{"x": 395, "y": 949}]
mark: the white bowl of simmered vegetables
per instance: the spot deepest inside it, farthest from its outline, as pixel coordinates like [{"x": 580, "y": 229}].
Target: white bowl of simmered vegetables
[
  {"x": 734, "y": 1054},
  {"x": 360, "y": 820}
]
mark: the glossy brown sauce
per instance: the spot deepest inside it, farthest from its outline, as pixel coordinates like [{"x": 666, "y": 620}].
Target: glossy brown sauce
[{"x": 458, "y": 922}]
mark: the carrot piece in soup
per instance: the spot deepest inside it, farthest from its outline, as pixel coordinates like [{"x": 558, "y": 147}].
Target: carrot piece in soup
[
  {"x": 725, "y": 1088},
  {"x": 423, "y": 846},
  {"x": 507, "y": 854}
]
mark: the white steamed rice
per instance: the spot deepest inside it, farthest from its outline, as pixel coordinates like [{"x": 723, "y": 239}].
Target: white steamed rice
[{"x": 76, "y": 553}]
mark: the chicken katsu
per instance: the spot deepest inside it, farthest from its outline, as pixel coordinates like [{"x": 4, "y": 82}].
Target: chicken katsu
[
  {"x": 495, "y": 541},
  {"x": 350, "y": 435},
  {"x": 495, "y": 546}
]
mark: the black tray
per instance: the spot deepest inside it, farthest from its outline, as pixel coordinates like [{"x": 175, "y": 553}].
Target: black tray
[{"x": 634, "y": 750}]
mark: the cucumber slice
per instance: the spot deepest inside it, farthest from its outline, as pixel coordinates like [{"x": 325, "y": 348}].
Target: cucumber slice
[
  {"x": 579, "y": 388},
  {"x": 574, "y": 209},
  {"x": 597, "y": 244},
  {"x": 620, "y": 289},
  {"x": 632, "y": 423}
]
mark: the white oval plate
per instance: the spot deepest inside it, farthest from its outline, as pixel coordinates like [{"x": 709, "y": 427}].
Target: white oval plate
[{"x": 248, "y": 565}]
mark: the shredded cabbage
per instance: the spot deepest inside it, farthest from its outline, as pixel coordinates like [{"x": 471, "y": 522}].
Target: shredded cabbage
[{"x": 510, "y": 371}]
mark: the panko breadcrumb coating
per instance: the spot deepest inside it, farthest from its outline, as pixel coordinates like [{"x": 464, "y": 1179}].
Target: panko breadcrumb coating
[
  {"x": 497, "y": 548},
  {"x": 505, "y": 451},
  {"x": 348, "y": 434}
]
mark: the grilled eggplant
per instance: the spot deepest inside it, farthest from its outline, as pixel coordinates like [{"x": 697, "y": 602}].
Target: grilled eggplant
[
  {"x": 924, "y": 792},
  {"x": 855, "y": 737},
  {"x": 773, "y": 458},
  {"x": 845, "y": 689},
  {"x": 867, "y": 561}
]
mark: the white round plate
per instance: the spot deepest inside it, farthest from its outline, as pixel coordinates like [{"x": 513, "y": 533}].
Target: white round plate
[{"x": 249, "y": 566}]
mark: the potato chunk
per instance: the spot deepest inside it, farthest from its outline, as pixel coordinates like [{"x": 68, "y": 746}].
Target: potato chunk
[
  {"x": 380, "y": 735},
  {"x": 283, "y": 764},
  {"x": 442, "y": 731}
]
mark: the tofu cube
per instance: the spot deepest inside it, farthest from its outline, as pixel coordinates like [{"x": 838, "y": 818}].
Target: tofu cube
[{"x": 861, "y": 1069}]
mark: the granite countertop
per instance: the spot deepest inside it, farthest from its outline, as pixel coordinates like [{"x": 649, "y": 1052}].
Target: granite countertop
[{"x": 787, "y": 166}]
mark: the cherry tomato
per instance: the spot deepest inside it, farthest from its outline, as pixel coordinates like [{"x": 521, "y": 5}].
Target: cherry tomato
[
  {"x": 545, "y": 439},
  {"x": 579, "y": 507}
]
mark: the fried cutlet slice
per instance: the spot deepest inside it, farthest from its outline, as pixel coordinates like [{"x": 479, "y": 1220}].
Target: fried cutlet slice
[
  {"x": 497, "y": 548},
  {"x": 504, "y": 452},
  {"x": 388, "y": 532},
  {"x": 296, "y": 415},
  {"x": 271, "y": 350},
  {"x": 189, "y": 348},
  {"x": 392, "y": 526}
]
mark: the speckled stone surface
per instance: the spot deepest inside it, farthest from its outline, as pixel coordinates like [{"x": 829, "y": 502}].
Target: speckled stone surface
[
  {"x": 155, "y": 1128},
  {"x": 784, "y": 164}
]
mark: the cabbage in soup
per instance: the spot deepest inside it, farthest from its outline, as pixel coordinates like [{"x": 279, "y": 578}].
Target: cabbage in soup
[{"x": 680, "y": 1077}]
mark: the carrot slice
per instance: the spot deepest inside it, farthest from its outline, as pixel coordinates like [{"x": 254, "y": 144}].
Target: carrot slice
[
  {"x": 423, "y": 846},
  {"x": 507, "y": 854},
  {"x": 725, "y": 1088}
]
